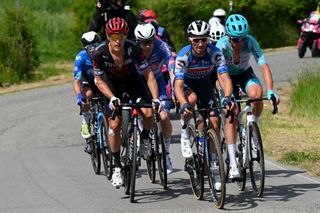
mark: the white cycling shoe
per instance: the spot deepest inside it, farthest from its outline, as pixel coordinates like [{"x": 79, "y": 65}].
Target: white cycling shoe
[
  {"x": 169, "y": 164},
  {"x": 117, "y": 179},
  {"x": 186, "y": 148},
  {"x": 234, "y": 172}
]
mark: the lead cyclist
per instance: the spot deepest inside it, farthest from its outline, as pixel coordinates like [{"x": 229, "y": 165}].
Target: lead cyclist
[{"x": 237, "y": 47}]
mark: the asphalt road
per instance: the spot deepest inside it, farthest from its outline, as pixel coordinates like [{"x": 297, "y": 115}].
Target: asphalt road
[{"x": 43, "y": 167}]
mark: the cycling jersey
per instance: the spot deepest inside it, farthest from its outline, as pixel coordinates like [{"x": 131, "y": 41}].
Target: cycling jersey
[
  {"x": 250, "y": 46},
  {"x": 197, "y": 72},
  {"x": 83, "y": 70},
  {"x": 192, "y": 68},
  {"x": 133, "y": 56},
  {"x": 161, "y": 55},
  {"x": 125, "y": 78}
]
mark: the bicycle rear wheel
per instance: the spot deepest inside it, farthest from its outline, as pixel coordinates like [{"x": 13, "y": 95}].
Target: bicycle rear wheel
[
  {"x": 218, "y": 196},
  {"x": 106, "y": 154},
  {"x": 134, "y": 163},
  {"x": 256, "y": 165},
  {"x": 160, "y": 153},
  {"x": 195, "y": 166}
]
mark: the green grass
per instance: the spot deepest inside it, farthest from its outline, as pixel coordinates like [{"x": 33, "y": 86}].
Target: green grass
[{"x": 306, "y": 95}]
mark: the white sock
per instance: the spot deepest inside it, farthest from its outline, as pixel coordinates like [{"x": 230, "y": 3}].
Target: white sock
[
  {"x": 167, "y": 142},
  {"x": 184, "y": 132},
  {"x": 256, "y": 118},
  {"x": 85, "y": 118},
  {"x": 232, "y": 154}
]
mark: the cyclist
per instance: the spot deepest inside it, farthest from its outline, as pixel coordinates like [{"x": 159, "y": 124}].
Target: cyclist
[
  {"x": 150, "y": 16},
  {"x": 115, "y": 63},
  {"x": 158, "y": 54},
  {"x": 108, "y": 9},
  {"x": 83, "y": 84},
  {"x": 218, "y": 15},
  {"x": 193, "y": 70},
  {"x": 217, "y": 31},
  {"x": 237, "y": 47}
]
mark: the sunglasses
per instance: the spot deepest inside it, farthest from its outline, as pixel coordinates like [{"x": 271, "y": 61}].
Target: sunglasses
[
  {"x": 197, "y": 40},
  {"x": 238, "y": 39},
  {"x": 146, "y": 42},
  {"x": 115, "y": 37}
]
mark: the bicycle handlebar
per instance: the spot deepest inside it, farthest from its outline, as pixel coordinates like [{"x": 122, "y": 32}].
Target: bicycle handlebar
[
  {"x": 137, "y": 105},
  {"x": 273, "y": 99}
]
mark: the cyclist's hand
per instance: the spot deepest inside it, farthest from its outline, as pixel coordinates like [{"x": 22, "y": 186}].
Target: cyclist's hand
[
  {"x": 114, "y": 102},
  {"x": 228, "y": 103},
  {"x": 80, "y": 99},
  {"x": 156, "y": 104},
  {"x": 270, "y": 93},
  {"x": 185, "y": 109}
]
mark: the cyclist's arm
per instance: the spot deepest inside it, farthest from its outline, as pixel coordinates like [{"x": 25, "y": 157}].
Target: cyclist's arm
[
  {"x": 152, "y": 83},
  {"x": 77, "y": 74},
  {"x": 179, "y": 74},
  {"x": 226, "y": 84},
  {"x": 267, "y": 76},
  {"x": 103, "y": 87}
]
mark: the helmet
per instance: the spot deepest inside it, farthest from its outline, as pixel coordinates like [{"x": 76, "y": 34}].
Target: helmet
[
  {"x": 145, "y": 31},
  {"x": 89, "y": 38},
  {"x": 237, "y": 26},
  {"x": 198, "y": 28},
  {"x": 219, "y": 12},
  {"x": 147, "y": 14},
  {"x": 216, "y": 31},
  {"x": 116, "y": 25}
]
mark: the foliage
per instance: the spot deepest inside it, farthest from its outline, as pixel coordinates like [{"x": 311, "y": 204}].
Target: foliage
[
  {"x": 306, "y": 96},
  {"x": 19, "y": 55}
]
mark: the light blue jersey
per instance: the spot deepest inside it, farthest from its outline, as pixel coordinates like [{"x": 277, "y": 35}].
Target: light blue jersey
[{"x": 250, "y": 46}]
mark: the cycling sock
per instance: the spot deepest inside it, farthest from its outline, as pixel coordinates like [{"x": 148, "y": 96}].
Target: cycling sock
[
  {"x": 85, "y": 117},
  {"x": 140, "y": 125},
  {"x": 256, "y": 118},
  {"x": 145, "y": 133},
  {"x": 116, "y": 159},
  {"x": 167, "y": 142},
  {"x": 184, "y": 132},
  {"x": 232, "y": 154}
]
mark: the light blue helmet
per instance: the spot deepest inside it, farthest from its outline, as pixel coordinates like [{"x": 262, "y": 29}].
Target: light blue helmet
[{"x": 237, "y": 26}]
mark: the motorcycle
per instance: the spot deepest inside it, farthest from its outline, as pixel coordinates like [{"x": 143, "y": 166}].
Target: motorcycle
[{"x": 309, "y": 37}]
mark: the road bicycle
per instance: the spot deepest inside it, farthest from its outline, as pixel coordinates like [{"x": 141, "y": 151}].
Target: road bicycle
[
  {"x": 158, "y": 152},
  {"x": 130, "y": 153},
  {"x": 98, "y": 140},
  {"x": 201, "y": 163},
  {"x": 249, "y": 153}
]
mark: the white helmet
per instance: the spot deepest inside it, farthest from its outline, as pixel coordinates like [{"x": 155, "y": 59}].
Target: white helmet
[
  {"x": 198, "y": 28},
  {"x": 217, "y": 31},
  {"x": 145, "y": 31},
  {"x": 219, "y": 12},
  {"x": 89, "y": 38}
]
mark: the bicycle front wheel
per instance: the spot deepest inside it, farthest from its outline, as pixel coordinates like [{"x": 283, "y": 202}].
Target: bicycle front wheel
[
  {"x": 106, "y": 154},
  {"x": 134, "y": 164},
  {"x": 95, "y": 155},
  {"x": 160, "y": 153},
  {"x": 151, "y": 162},
  {"x": 195, "y": 166},
  {"x": 218, "y": 174},
  {"x": 256, "y": 165}
]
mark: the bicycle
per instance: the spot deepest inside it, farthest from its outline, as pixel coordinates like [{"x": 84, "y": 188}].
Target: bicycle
[
  {"x": 249, "y": 153},
  {"x": 158, "y": 152},
  {"x": 201, "y": 164},
  {"x": 98, "y": 140},
  {"x": 130, "y": 155}
]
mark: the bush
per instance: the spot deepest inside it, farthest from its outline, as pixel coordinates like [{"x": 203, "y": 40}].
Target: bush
[{"x": 19, "y": 55}]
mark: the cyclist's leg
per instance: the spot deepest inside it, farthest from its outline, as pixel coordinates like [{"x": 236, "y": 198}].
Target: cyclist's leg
[
  {"x": 254, "y": 90},
  {"x": 87, "y": 93}
]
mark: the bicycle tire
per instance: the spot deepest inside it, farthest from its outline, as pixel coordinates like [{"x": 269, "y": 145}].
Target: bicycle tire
[
  {"x": 125, "y": 153},
  {"x": 218, "y": 196},
  {"x": 105, "y": 152},
  {"x": 161, "y": 157},
  {"x": 151, "y": 162},
  {"x": 134, "y": 163},
  {"x": 95, "y": 155},
  {"x": 125, "y": 124},
  {"x": 195, "y": 167},
  {"x": 241, "y": 183},
  {"x": 256, "y": 165}
]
